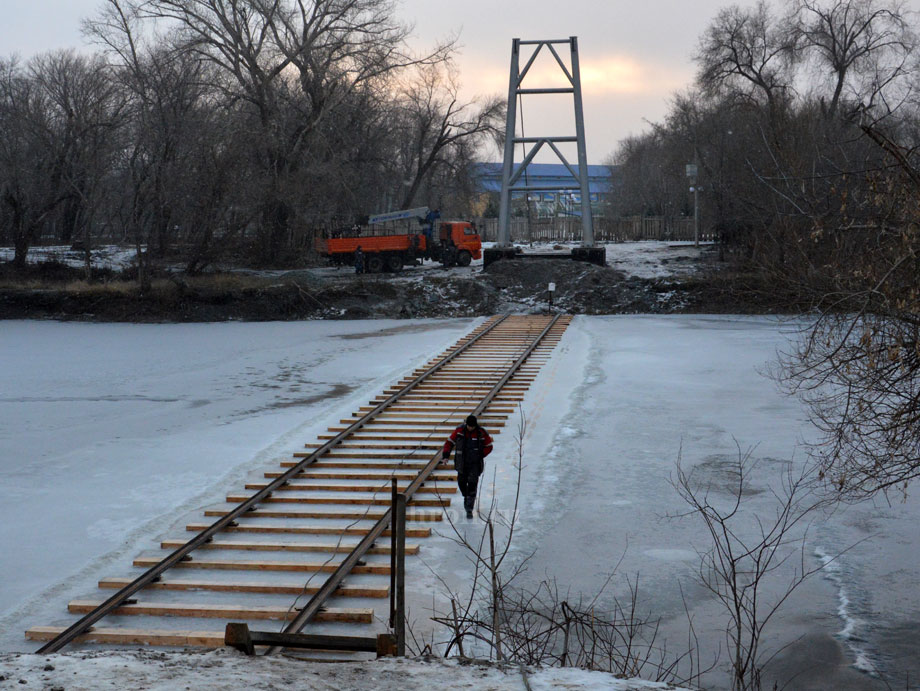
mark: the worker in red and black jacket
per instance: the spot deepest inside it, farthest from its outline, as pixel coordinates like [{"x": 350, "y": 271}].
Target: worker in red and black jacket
[{"x": 473, "y": 444}]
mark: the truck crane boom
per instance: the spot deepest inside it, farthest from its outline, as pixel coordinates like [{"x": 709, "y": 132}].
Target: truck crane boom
[{"x": 420, "y": 213}]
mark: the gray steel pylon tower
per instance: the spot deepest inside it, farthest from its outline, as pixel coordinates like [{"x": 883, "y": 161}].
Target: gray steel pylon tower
[{"x": 511, "y": 178}]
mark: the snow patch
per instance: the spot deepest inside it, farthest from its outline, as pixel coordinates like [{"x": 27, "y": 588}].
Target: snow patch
[
  {"x": 853, "y": 626},
  {"x": 227, "y": 669}
]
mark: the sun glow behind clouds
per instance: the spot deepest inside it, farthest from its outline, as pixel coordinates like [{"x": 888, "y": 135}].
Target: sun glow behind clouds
[
  {"x": 619, "y": 74},
  {"x": 600, "y": 76}
]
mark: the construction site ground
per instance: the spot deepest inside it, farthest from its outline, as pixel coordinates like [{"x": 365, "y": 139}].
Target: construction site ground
[{"x": 640, "y": 277}]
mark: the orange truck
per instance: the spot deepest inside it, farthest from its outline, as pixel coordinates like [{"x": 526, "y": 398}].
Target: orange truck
[{"x": 449, "y": 242}]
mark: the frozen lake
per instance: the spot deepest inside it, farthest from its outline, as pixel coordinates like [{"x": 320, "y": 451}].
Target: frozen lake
[{"x": 111, "y": 433}]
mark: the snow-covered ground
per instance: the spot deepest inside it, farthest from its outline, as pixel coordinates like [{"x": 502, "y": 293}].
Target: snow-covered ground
[
  {"x": 641, "y": 259},
  {"x": 227, "y": 669},
  {"x": 111, "y": 434},
  {"x": 115, "y": 257}
]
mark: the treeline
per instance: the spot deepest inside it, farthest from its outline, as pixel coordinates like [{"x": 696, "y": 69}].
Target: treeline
[
  {"x": 804, "y": 123},
  {"x": 212, "y": 126}
]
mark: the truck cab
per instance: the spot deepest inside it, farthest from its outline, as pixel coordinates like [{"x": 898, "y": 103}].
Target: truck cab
[{"x": 460, "y": 242}]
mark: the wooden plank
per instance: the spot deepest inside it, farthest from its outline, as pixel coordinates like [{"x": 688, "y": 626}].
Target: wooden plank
[
  {"x": 362, "y": 465},
  {"x": 460, "y": 397},
  {"x": 300, "y": 487},
  {"x": 302, "y": 529},
  {"x": 432, "y": 407},
  {"x": 312, "y": 475},
  {"x": 423, "y": 516},
  {"x": 355, "y": 501},
  {"x": 379, "y": 455},
  {"x": 434, "y": 416},
  {"x": 416, "y": 425},
  {"x": 355, "y": 615},
  {"x": 240, "y": 637},
  {"x": 119, "y": 636},
  {"x": 233, "y": 565},
  {"x": 420, "y": 436},
  {"x": 395, "y": 445},
  {"x": 285, "y": 547},
  {"x": 249, "y": 587}
]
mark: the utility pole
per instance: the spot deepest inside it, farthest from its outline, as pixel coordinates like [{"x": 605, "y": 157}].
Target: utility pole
[{"x": 692, "y": 172}]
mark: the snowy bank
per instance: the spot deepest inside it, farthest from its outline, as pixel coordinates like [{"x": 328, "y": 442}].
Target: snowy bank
[{"x": 227, "y": 669}]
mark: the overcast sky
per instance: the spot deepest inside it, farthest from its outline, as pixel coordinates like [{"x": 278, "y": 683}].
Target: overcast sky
[{"x": 634, "y": 53}]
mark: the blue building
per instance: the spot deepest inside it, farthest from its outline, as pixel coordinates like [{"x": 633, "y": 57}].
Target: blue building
[{"x": 549, "y": 203}]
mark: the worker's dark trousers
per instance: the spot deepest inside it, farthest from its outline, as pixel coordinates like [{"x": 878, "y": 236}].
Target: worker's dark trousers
[{"x": 467, "y": 485}]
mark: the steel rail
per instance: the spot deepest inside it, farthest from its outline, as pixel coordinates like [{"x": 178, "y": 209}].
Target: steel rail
[
  {"x": 335, "y": 579},
  {"x": 153, "y": 573}
]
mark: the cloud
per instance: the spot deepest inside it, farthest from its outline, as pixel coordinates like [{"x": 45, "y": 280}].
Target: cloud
[
  {"x": 619, "y": 74},
  {"x": 603, "y": 75}
]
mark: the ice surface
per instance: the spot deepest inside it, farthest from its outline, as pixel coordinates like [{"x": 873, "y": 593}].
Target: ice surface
[
  {"x": 620, "y": 400},
  {"x": 112, "y": 434}
]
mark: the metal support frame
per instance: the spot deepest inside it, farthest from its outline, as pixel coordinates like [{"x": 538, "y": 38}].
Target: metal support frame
[
  {"x": 237, "y": 635},
  {"x": 511, "y": 177}
]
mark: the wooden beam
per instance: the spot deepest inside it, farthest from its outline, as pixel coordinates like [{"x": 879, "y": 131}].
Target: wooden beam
[
  {"x": 395, "y": 445},
  {"x": 119, "y": 636},
  {"x": 250, "y": 587},
  {"x": 237, "y": 635},
  {"x": 360, "y": 615},
  {"x": 367, "y": 465},
  {"x": 233, "y": 565},
  {"x": 359, "y": 501},
  {"x": 393, "y": 456},
  {"x": 248, "y": 527},
  {"x": 299, "y": 487},
  {"x": 423, "y": 516},
  {"x": 285, "y": 547},
  {"x": 311, "y": 475}
]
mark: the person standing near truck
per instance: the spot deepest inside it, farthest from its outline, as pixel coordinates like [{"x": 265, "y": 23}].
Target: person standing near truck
[
  {"x": 472, "y": 445},
  {"x": 359, "y": 260}
]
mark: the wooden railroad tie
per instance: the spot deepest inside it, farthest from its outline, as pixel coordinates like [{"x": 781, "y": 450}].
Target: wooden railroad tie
[
  {"x": 361, "y": 591},
  {"x": 344, "y": 493},
  {"x": 286, "y": 547},
  {"x": 232, "y": 565},
  {"x": 360, "y": 615}
]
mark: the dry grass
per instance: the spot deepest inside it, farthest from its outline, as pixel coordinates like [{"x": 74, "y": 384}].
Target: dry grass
[
  {"x": 227, "y": 282},
  {"x": 108, "y": 288},
  {"x": 217, "y": 283}
]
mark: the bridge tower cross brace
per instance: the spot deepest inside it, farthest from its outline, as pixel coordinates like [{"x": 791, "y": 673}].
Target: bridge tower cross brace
[{"x": 511, "y": 179}]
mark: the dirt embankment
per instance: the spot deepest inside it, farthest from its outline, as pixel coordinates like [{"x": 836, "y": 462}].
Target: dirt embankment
[{"x": 518, "y": 285}]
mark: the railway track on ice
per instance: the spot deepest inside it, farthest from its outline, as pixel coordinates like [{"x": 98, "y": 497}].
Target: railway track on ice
[{"x": 304, "y": 545}]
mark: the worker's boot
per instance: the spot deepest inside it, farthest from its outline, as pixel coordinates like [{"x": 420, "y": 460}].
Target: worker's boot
[{"x": 468, "y": 503}]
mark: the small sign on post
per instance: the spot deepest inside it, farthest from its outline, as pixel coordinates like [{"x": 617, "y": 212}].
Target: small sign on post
[{"x": 552, "y": 292}]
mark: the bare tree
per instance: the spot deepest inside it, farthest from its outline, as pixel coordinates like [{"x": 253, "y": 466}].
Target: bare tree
[
  {"x": 749, "y": 50},
  {"x": 436, "y": 122},
  {"x": 545, "y": 625},
  {"x": 871, "y": 40},
  {"x": 860, "y": 377},
  {"x": 88, "y": 113},
  {"x": 291, "y": 62},
  {"x": 29, "y": 188},
  {"x": 746, "y": 553}
]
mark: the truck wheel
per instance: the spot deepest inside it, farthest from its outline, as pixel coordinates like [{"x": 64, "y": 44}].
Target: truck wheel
[
  {"x": 374, "y": 264},
  {"x": 394, "y": 263},
  {"x": 464, "y": 258}
]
